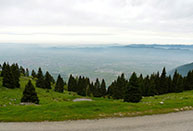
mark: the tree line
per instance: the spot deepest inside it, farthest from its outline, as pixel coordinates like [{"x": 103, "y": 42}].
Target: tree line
[
  {"x": 130, "y": 90},
  {"x": 84, "y": 87}
]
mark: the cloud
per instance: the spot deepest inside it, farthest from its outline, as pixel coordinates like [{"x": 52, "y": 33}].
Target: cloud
[{"x": 158, "y": 16}]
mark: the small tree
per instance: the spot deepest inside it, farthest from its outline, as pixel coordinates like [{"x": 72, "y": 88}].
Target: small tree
[
  {"x": 29, "y": 94},
  {"x": 59, "y": 84}
]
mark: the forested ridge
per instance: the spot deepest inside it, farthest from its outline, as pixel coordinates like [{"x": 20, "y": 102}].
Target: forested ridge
[{"x": 130, "y": 90}]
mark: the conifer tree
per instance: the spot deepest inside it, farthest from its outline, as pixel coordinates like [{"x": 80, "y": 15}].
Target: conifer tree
[
  {"x": 27, "y": 72},
  {"x": 8, "y": 78},
  {"x": 157, "y": 82},
  {"x": 33, "y": 74},
  {"x": 119, "y": 87},
  {"x": 103, "y": 88},
  {"x": 169, "y": 84},
  {"x": 188, "y": 85},
  {"x": 133, "y": 93},
  {"x": 40, "y": 79},
  {"x": 163, "y": 83},
  {"x": 16, "y": 74},
  {"x": 97, "y": 88},
  {"x": 22, "y": 70},
  {"x": 47, "y": 81},
  {"x": 72, "y": 83},
  {"x": 59, "y": 84},
  {"x": 177, "y": 83},
  {"x": 152, "y": 86},
  {"x": 110, "y": 89},
  {"x": 141, "y": 84},
  {"x": 88, "y": 91},
  {"x": 3, "y": 68},
  {"x": 29, "y": 94}
]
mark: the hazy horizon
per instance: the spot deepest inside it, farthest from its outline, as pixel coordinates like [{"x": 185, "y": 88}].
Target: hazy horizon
[{"x": 102, "y": 22}]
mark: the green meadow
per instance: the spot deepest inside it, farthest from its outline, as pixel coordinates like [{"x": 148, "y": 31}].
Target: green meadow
[{"x": 60, "y": 106}]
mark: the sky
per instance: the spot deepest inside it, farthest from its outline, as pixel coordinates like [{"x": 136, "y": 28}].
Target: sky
[{"x": 96, "y": 21}]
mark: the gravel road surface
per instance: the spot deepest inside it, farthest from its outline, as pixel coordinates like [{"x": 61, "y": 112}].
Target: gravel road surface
[{"x": 181, "y": 121}]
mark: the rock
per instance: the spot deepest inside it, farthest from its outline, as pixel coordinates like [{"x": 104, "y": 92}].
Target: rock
[
  {"x": 161, "y": 102},
  {"x": 176, "y": 109}
]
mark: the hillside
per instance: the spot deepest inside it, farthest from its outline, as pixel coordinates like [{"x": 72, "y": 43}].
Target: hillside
[
  {"x": 59, "y": 106},
  {"x": 183, "y": 70}
]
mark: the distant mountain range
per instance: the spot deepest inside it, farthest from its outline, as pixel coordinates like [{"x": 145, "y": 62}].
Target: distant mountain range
[{"x": 183, "y": 70}]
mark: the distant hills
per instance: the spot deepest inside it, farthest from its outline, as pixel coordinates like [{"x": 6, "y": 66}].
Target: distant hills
[{"x": 183, "y": 70}]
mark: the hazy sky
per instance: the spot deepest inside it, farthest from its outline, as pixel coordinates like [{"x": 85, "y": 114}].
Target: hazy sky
[{"x": 96, "y": 21}]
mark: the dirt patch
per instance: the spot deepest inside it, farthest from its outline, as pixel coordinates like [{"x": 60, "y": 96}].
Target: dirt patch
[{"x": 82, "y": 99}]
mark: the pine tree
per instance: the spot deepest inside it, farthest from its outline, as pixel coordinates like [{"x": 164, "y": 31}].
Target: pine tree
[
  {"x": 91, "y": 89},
  {"x": 157, "y": 82},
  {"x": 16, "y": 74},
  {"x": 27, "y": 72},
  {"x": 47, "y": 81},
  {"x": 22, "y": 70},
  {"x": 177, "y": 83},
  {"x": 8, "y": 78},
  {"x": 119, "y": 87},
  {"x": 97, "y": 88},
  {"x": 133, "y": 93},
  {"x": 33, "y": 74},
  {"x": 29, "y": 94},
  {"x": 152, "y": 86},
  {"x": 169, "y": 84},
  {"x": 3, "y": 69},
  {"x": 141, "y": 84},
  {"x": 72, "y": 84},
  {"x": 163, "y": 83},
  {"x": 50, "y": 77},
  {"x": 40, "y": 79},
  {"x": 59, "y": 84},
  {"x": 188, "y": 85},
  {"x": 103, "y": 88}
]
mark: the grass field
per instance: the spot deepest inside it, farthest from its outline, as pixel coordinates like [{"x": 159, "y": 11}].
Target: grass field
[{"x": 59, "y": 106}]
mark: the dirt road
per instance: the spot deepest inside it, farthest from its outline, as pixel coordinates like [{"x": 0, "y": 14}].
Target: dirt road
[{"x": 181, "y": 121}]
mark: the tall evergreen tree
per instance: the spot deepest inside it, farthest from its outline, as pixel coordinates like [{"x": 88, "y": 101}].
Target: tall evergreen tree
[
  {"x": 8, "y": 78},
  {"x": 33, "y": 74},
  {"x": 40, "y": 79},
  {"x": 103, "y": 88},
  {"x": 133, "y": 93},
  {"x": 97, "y": 85},
  {"x": 119, "y": 87},
  {"x": 188, "y": 85},
  {"x": 47, "y": 81},
  {"x": 3, "y": 68},
  {"x": 177, "y": 83},
  {"x": 59, "y": 84},
  {"x": 72, "y": 84},
  {"x": 27, "y": 72},
  {"x": 16, "y": 74},
  {"x": 163, "y": 83},
  {"x": 22, "y": 70},
  {"x": 29, "y": 94}
]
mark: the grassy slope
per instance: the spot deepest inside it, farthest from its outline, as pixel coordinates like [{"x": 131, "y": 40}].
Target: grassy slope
[{"x": 59, "y": 106}]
